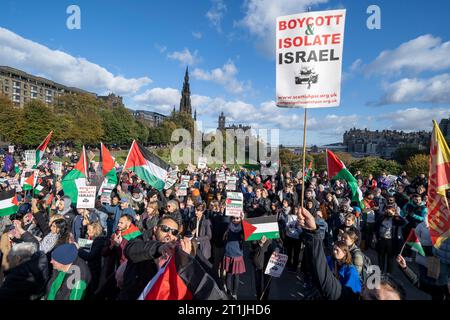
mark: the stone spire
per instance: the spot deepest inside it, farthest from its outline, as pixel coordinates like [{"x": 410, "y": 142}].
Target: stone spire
[{"x": 185, "y": 102}]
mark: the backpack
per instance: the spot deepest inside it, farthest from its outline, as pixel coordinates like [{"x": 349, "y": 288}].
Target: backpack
[{"x": 366, "y": 265}]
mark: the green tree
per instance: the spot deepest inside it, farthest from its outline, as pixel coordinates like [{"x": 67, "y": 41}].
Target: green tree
[
  {"x": 38, "y": 119},
  {"x": 374, "y": 166},
  {"x": 81, "y": 114},
  {"x": 417, "y": 164},
  {"x": 12, "y": 121},
  {"x": 403, "y": 153}
]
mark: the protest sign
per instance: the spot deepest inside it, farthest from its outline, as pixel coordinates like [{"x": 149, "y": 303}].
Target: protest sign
[
  {"x": 234, "y": 204},
  {"x": 14, "y": 183},
  {"x": 57, "y": 168},
  {"x": 202, "y": 162},
  {"x": 182, "y": 190},
  {"x": 85, "y": 244},
  {"x": 106, "y": 196},
  {"x": 30, "y": 158},
  {"x": 276, "y": 264},
  {"x": 221, "y": 176},
  {"x": 86, "y": 196},
  {"x": 172, "y": 177},
  {"x": 231, "y": 183},
  {"x": 11, "y": 149},
  {"x": 309, "y": 59}
]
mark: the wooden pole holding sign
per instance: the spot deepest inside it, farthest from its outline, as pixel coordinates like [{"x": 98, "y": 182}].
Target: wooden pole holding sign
[{"x": 302, "y": 196}]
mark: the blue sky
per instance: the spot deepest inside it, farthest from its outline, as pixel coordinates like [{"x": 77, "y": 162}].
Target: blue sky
[{"x": 397, "y": 77}]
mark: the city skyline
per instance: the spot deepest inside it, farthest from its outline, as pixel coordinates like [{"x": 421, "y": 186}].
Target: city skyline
[{"x": 393, "y": 78}]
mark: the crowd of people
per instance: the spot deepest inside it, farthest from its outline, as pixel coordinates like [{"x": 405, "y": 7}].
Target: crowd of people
[{"x": 116, "y": 248}]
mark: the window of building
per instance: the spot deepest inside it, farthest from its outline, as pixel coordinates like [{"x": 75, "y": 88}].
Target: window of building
[{"x": 16, "y": 84}]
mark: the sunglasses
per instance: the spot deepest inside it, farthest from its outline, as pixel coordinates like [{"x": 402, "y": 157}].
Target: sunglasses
[{"x": 166, "y": 229}]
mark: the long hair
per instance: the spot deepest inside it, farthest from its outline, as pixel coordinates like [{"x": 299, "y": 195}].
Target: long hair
[
  {"x": 63, "y": 231},
  {"x": 347, "y": 260}
]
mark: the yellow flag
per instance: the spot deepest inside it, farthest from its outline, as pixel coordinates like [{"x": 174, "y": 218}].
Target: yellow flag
[{"x": 438, "y": 183}]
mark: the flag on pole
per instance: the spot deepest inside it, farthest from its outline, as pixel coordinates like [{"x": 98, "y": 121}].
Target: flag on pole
[
  {"x": 75, "y": 178},
  {"x": 182, "y": 277},
  {"x": 8, "y": 203},
  {"x": 256, "y": 228},
  {"x": 41, "y": 149},
  {"x": 414, "y": 242},
  {"x": 108, "y": 167},
  {"x": 337, "y": 170},
  {"x": 147, "y": 166},
  {"x": 438, "y": 184}
]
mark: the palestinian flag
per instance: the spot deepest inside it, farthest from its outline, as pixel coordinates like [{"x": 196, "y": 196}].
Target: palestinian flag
[
  {"x": 75, "y": 178},
  {"x": 131, "y": 233},
  {"x": 8, "y": 203},
  {"x": 41, "y": 149},
  {"x": 182, "y": 277},
  {"x": 337, "y": 170},
  {"x": 30, "y": 180},
  {"x": 108, "y": 165},
  {"x": 147, "y": 166},
  {"x": 256, "y": 228},
  {"x": 414, "y": 242}
]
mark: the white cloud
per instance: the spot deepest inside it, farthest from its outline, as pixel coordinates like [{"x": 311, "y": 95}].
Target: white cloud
[
  {"x": 225, "y": 76},
  {"x": 159, "y": 99},
  {"x": 185, "y": 57},
  {"x": 197, "y": 35},
  {"x": 21, "y": 53},
  {"x": 425, "y": 53},
  {"x": 260, "y": 17},
  {"x": 433, "y": 90},
  {"x": 413, "y": 119},
  {"x": 216, "y": 14}
]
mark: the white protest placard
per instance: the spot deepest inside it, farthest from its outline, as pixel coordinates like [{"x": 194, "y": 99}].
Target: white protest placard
[
  {"x": 308, "y": 58},
  {"x": 85, "y": 244},
  {"x": 231, "y": 183},
  {"x": 57, "y": 168},
  {"x": 11, "y": 149},
  {"x": 221, "y": 176},
  {"x": 202, "y": 162},
  {"x": 30, "y": 158},
  {"x": 86, "y": 197},
  {"x": 185, "y": 179},
  {"x": 182, "y": 190},
  {"x": 276, "y": 264},
  {"x": 172, "y": 177},
  {"x": 106, "y": 196},
  {"x": 234, "y": 204},
  {"x": 14, "y": 183}
]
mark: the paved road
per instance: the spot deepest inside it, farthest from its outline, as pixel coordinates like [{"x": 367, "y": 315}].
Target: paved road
[{"x": 290, "y": 286}]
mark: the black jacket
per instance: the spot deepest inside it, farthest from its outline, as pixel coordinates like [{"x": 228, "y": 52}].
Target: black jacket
[
  {"x": 65, "y": 291},
  {"x": 94, "y": 257},
  {"x": 141, "y": 267},
  {"x": 27, "y": 280},
  {"x": 328, "y": 285},
  {"x": 260, "y": 255}
]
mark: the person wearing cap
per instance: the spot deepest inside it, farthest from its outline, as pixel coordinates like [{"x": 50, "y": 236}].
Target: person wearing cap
[{"x": 71, "y": 275}]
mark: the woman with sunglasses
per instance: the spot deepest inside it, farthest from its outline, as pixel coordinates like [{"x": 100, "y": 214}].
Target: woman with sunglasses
[{"x": 233, "y": 262}]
